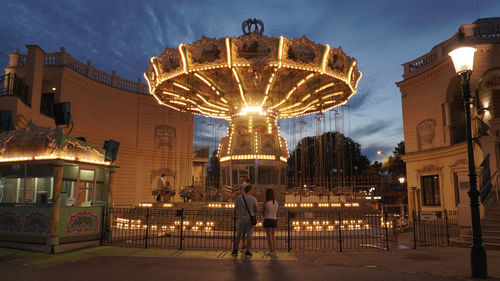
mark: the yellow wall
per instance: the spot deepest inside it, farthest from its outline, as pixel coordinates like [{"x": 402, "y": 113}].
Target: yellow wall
[
  {"x": 425, "y": 94},
  {"x": 102, "y": 112}
]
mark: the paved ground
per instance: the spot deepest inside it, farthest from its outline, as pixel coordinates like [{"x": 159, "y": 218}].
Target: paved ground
[{"x": 116, "y": 263}]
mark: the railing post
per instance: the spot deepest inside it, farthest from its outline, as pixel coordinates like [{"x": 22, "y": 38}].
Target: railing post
[
  {"x": 103, "y": 225},
  {"x": 291, "y": 215},
  {"x": 89, "y": 70},
  {"x": 180, "y": 213},
  {"x": 147, "y": 229},
  {"x": 8, "y": 91},
  {"x": 234, "y": 230},
  {"x": 414, "y": 230},
  {"x": 340, "y": 232},
  {"x": 114, "y": 79},
  {"x": 446, "y": 225},
  {"x": 139, "y": 89},
  {"x": 61, "y": 57},
  {"x": 386, "y": 221}
]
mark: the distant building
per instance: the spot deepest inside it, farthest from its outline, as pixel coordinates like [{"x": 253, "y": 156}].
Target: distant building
[
  {"x": 153, "y": 139},
  {"x": 434, "y": 123}
]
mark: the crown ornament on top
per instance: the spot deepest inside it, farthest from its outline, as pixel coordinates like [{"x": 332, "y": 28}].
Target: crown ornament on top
[{"x": 252, "y": 26}]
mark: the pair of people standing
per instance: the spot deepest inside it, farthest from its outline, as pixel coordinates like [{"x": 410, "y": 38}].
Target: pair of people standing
[
  {"x": 163, "y": 189},
  {"x": 246, "y": 206}
]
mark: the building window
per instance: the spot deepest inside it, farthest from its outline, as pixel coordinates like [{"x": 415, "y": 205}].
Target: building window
[
  {"x": 46, "y": 104},
  {"x": 430, "y": 190}
]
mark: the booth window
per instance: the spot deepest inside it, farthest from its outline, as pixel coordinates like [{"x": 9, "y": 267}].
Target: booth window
[
  {"x": 86, "y": 187},
  {"x": 26, "y": 183},
  {"x": 68, "y": 190},
  {"x": 430, "y": 190}
]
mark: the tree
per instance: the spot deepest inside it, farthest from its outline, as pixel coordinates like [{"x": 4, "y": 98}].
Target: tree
[
  {"x": 213, "y": 171},
  {"x": 395, "y": 165},
  {"x": 375, "y": 168},
  {"x": 331, "y": 154}
]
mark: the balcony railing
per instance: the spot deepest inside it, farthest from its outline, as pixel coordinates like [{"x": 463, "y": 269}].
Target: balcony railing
[
  {"x": 64, "y": 59},
  {"x": 476, "y": 33},
  {"x": 11, "y": 85}
]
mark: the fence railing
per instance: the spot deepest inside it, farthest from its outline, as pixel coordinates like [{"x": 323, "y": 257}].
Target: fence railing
[
  {"x": 11, "y": 85},
  {"x": 216, "y": 229},
  {"x": 434, "y": 228}
]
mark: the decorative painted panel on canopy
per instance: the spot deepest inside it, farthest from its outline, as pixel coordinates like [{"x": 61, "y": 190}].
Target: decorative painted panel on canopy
[{"x": 43, "y": 143}]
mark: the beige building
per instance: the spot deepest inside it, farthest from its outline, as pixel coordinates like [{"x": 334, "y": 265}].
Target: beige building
[
  {"x": 434, "y": 123},
  {"x": 153, "y": 139}
]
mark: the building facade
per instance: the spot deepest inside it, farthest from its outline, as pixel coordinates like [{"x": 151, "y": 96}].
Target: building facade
[
  {"x": 153, "y": 139},
  {"x": 434, "y": 123}
]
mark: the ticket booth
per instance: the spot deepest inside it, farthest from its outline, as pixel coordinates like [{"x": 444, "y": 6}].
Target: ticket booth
[{"x": 54, "y": 190}]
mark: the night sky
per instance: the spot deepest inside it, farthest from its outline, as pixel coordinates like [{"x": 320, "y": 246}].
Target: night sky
[{"x": 381, "y": 35}]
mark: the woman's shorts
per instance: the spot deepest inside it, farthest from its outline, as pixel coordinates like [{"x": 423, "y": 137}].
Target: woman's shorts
[{"x": 268, "y": 223}]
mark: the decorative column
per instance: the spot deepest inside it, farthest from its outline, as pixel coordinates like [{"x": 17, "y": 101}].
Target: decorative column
[
  {"x": 56, "y": 203},
  {"x": 14, "y": 58},
  {"x": 412, "y": 200}
]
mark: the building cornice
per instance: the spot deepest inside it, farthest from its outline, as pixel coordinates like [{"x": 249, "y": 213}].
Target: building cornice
[
  {"x": 436, "y": 153},
  {"x": 443, "y": 66}
]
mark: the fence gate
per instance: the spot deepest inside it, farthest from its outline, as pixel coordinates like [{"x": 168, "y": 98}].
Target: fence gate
[{"x": 435, "y": 228}]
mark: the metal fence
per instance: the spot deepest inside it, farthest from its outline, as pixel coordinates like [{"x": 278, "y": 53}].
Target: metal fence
[
  {"x": 12, "y": 85},
  {"x": 216, "y": 229},
  {"x": 435, "y": 228}
]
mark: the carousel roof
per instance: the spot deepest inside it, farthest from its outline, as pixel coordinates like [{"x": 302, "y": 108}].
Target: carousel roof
[
  {"x": 34, "y": 143},
  {"x": 252, "y": 73}
]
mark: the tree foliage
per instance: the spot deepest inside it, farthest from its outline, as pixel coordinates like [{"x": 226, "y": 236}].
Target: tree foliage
[
  {"x": 395, "y": 165},
  {"x": 331, "y": 154}
]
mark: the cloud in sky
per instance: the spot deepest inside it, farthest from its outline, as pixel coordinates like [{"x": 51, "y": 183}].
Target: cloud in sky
[{"x": 122, "y": 35}]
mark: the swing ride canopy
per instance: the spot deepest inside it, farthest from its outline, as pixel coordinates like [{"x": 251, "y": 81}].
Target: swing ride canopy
[
  {"x": 253, "y": 81},
  {"x": 225, "y": 77}
]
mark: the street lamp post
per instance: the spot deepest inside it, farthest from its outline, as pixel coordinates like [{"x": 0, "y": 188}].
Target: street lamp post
[
  {"x": 382, "y": 180},
  {"x": 383, "y": 153},
  {"x": 463, "y": 59}
]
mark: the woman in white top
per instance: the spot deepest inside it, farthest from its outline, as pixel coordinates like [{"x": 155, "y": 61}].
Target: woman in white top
[{"x": 270, "y": 212}]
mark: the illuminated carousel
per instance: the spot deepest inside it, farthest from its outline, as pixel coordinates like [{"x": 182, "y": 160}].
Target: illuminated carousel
[{"x": 253, "y": 81}]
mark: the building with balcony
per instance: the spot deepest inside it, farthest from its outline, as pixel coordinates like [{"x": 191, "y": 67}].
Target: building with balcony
[
  {"x": 434, "y": 123},
  {"x": 153, "y": 139}
]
